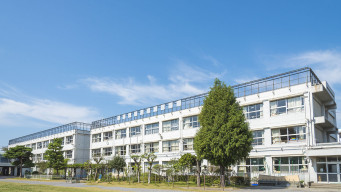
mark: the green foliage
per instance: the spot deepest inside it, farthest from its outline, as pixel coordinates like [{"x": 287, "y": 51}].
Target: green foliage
[
  {"x": 150, "y": 157},
  {"x": 137, "y": 160},
  {"x": 54, "y": 155},
  {"x": 117, "y": 163},
  {"x": 21, "y": 156},
  {"x": 187, "y": 161},
  {"x": 224, "y": 137},
  {"x": 43, "y": 165},
  {"x": 237, "y": 180}
]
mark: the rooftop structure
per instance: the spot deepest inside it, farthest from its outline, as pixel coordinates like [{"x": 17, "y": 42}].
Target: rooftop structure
[
  {"x": 288, "y": 79},
  {"x": 52, "y": 131}
]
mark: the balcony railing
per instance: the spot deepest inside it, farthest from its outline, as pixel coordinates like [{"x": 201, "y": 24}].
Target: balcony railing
[{"x": 288, "y": 79}]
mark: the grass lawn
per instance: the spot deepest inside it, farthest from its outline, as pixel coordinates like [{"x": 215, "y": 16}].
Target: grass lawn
[
  {"x": 13, "y": 187},
  {"x": 181, "y": 186}
]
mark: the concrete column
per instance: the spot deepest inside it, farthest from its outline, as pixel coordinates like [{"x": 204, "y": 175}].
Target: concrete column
[{"x": 268, "y": 165}]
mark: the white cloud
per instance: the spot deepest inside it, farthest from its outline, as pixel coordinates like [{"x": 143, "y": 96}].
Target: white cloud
[
  {"x": 12, "y": 111},
  {"x": 326, "y": 64},
  {"x": 244, "y": 80},
  {"x": 183, "y": 82}
]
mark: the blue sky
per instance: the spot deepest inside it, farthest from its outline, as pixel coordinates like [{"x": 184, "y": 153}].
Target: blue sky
[{"x": 65, "y": 61}]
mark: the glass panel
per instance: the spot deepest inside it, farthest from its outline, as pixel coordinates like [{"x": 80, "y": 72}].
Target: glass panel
[
  {"x": 332, "y": 159},
  {"x": 293, "y": 160},
  {"x": 322, "y": 177},
  {"x": 284, "y": 160},
  {"x": 294, "y": 168},
  {"x": 332, "y": 168},
  {"x": 321, "y": 168},
  {"x": 332, "y": 177},
  {"x": 321, "y": 159}
]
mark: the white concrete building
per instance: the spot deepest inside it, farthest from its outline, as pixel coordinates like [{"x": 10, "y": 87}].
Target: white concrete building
[
  {"x": 76, "y": 142},
  {"x": 292, "y": 116}
]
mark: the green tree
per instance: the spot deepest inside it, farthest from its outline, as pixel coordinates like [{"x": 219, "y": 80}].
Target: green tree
[
  {"x": 157, "y": 170},
  {"x": 42, "y": 165},
  {"x": 150, "y": 157},
  {"x": 54, "y": 155},
  {"x": 187, "y": 161},
  {"x": 173, "y": 168},
  {"x": 98, "y": 164},
  {"x": 137, "y": 160},
  {"x": 224, "y": 137},
  {"x": 21, "y": 156},
  {"x": 117, "y": 163}
]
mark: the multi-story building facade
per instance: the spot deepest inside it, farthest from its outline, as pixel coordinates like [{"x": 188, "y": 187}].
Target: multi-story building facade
[
  {"x": 75, "y": 140},
  {"x": 292, "y": 117}
]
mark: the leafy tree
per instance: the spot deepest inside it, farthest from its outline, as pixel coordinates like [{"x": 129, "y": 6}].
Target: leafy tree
[
  {"x": 150, "y": 157},
  {"x": 98, "y": 165},
  {"x": 187, "y": 161},
  {"x": 54, "y": 155},
  {"x": 157, "y": 169},
  {"x": 173, "y": 167},
  {"x": 137, "y": 159},
  {"x": 21, "y": 156},
  {"x": 117, "y": 163},
  {"x": 88, "y": 167},
  {"x": 42, "y": 165},
  {"x": 224, "y": 137}
]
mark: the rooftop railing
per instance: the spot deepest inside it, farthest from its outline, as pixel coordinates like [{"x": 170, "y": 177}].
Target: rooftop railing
[
  {"x": 288, "y": 79},
  {"x": 52, "y": 131}
]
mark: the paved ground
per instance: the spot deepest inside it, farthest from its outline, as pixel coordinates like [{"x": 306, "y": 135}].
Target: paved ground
[{"x": 64, "y": 184}]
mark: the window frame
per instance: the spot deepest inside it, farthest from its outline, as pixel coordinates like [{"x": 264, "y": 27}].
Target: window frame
[
  {"x": 173, "y": 125},
  {"x": 152, "y": 128},
  {"x": 191, "y": 124}
]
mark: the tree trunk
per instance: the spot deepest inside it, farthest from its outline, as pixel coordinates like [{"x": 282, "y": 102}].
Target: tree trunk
[
  {"x": 198, "y": 173},
  {"x": 138, "y": 174},
  {"x": 118, "y": 175},
  {"x": 149, "y": 174},
  {"x": 222, "y": 176},
  {"x": 20, "y": 174}
]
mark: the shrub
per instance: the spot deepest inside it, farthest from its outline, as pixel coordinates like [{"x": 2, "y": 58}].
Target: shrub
[
  {"x": 35, "y": 173},
  {"x": 237, "y": 180}
]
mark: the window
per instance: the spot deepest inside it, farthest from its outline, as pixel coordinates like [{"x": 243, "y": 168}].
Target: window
[
  {"x": 258, "y": 137},
  {"x": 254, "y": 165},
  {"x": 45, "y": 144},
  {"x": 96, "y": 153},
  {"x": 120, "y": 150},
  {"x": 170, "y": 146},
  {"x": 327, "y": 168},
  {"x": 283, "y": 106},
  {"x": 290, "y": 134},
  {"x": 39, "y": 145},
  {"x": 107, "y": 151},
  {"x": 107, "y": 135},
  {"x": 69, "y": 139},
  {"x": 120, "y": 134},
  {"x": 134, "y": 131},
  {"x": 151, "y": 147},
  {"x": 171, "y": 125},
  {"x": 33, "y": 146},
  {"x": 253, "y": 111},
  {"x": 135, "y": 148},
  {"x": 96, "y": 138},
  {"x": 28, "y": 145},
  {"x": 44, "y": 156},
  {"x": 191, "y": 122},
  {"x": 68, "y": 154},
  {"x": 188, "y": 144},
  {"x": 289, "y": 165},
  {"x": 151, "y": 129},
  {"x": 38, "y": 157}
]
